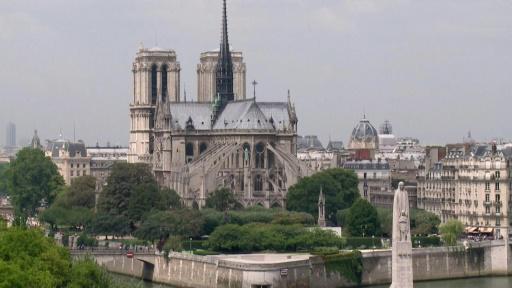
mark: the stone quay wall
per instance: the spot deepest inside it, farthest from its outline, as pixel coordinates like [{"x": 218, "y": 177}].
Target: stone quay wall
[
  {"x": 487, "y": 259},
  {"x": 185, "y": 270}
]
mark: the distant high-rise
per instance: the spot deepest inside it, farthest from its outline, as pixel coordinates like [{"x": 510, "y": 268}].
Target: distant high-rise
[{"x": 10, "y": 137}]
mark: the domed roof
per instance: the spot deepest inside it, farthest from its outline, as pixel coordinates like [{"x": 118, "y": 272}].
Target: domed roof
[{"x": 364, "y": 136}]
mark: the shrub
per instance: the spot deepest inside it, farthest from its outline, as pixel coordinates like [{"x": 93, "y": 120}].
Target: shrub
[
  {"x": 424, "y": 241},
  {"x": 362, "y": 243}
]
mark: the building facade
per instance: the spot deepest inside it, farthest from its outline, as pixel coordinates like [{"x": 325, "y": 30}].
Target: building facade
[
  {"x": 222, "y": 140},
  {"x": 71, "y": 158},
  {"x": 374, "y": 181},
  {"x": 471, "y": 185},
  {"x": 102, "y": 160},
  {"x": 207, "y": 73}
]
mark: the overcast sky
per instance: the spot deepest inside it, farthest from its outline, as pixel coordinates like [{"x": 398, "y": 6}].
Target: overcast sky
[{"x": 435, "y": 69}]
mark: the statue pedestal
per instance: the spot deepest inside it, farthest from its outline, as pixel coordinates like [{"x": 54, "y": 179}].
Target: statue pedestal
[{"x": 402, "y": 265}]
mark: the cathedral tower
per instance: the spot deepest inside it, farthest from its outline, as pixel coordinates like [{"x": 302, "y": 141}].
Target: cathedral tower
[
  {"x": 156, "y": 76},
  {"x": 207, "y": 76}
]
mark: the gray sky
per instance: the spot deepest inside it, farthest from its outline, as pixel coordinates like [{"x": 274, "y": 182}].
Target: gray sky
[{"x": 435, "y": 69}]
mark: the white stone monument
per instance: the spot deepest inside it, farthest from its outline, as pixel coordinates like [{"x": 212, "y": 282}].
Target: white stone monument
[{"x": 402, "y": 245}]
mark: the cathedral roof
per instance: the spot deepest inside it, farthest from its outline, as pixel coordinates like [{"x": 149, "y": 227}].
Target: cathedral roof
[
  {"x": 244, "y": 114},
  {"x": 200, "y": 113}
]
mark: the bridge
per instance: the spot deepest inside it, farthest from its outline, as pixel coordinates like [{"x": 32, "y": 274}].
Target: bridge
[{"x": 113, "y": 259}]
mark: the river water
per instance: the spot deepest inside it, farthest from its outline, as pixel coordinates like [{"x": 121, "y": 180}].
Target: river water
[{"x": 490, "y": 282}]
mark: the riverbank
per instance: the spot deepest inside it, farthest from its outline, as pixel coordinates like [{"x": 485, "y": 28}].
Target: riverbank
[{"x": 304, "y": 270}]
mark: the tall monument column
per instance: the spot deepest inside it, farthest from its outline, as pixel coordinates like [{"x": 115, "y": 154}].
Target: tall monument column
[{"x": 402, "y": 245}]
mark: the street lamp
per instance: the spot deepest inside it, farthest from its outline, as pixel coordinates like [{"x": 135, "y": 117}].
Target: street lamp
[{"x": 190, "y": 244}]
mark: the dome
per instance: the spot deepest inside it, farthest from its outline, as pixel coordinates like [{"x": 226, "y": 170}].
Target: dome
[{"x": 364, "y": 136}]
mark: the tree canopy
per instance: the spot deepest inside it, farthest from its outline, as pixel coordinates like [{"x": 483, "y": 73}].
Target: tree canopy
[
  {"x": 338, "y": 185},
  {"x": 3, "y": 178},
  {"x": 32, "y": 179},
  {"x": 451, "y": 231},
  {"x": 29, "y": 259},
  {"x": 131, "y": 193},
  {"x": 159, "y": 225},
  {"x": 362, "y": 219},
  {"x": 222, "y": 199}
]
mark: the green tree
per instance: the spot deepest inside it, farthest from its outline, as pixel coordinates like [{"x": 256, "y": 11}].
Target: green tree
[
  {"x": 169, "y": 199},
  {"x": 82, "y": 192},
  {"x": 119, "y": 198},
  {"x": 31, "y": 180},
  {"x": 338, "y": 185},
  {"x": 222, "y": 199},
  {"x": 29, "y": 259},
  {"x": 386, "y": 221},
  {"x": 362, "y": 219},
  {"x": 451, "y": 231},
  {"x": 145, "y": 197},
  {"x": 424, "y": 222},
  {"x": 159, "y": 225},
  {"x": 3, "y": 178}
]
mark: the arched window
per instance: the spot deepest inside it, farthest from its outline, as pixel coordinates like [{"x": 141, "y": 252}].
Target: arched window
[
  {"x": 258, "y": 183},
  {"x": 164, "y": 83},
  {"x": 189, "y": 152},
  {"x": 154, "y": 87},
  {"x": 202, "y": 147},
  {"x": 260, "y": 149}
]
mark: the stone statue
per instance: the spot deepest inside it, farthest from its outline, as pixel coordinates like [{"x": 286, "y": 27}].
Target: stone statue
[
  {"x": 402, "y": 276},
  {"x": 246, "y": 154}
]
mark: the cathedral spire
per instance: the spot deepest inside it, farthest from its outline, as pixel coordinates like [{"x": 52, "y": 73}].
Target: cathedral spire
[{"x": 224, "y": 63}]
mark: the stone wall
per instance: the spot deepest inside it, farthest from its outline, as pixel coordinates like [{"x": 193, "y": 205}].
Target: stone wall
[{"x": 184, "y": 270}]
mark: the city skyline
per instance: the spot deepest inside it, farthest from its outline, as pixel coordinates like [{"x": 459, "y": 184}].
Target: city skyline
[{"x": 447, "y": 70}]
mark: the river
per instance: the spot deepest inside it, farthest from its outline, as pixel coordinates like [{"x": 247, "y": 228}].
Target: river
[{"x": 487, "y": 282}]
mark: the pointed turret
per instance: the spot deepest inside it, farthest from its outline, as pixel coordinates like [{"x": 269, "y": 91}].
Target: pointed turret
[
  {"x": 225, "y": 64},
  {"x": 321, "y": 209}
]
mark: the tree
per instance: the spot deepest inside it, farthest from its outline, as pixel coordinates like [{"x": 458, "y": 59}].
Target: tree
[
  {"x": 222, "y": 199},
  {"x": 82, "y": 192},
  {"x": 145, "y": 197},
  {"x": 338, "y": 185},
  {"x": 29, "y": 259},
  {"x": 386, "y": 221},
  {"x": 3, "y": 178},
  {"x": 451, "y": 231},
  {"x": 121, "y": 185},
  {"x": 159, "y": 225},
  {"x": 424, "y": 222},
  {"x": 169, "y": 199},
  {"x": 31, "y": 180},
  {"x": 362, "y": 219}
]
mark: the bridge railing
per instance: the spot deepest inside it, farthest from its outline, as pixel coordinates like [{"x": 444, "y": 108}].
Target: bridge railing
[{"x": 111, "y": 251}]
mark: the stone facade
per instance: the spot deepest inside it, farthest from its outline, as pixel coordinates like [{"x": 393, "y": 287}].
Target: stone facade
[
  {"x": 156, "y": 73},
  {"x": 471, "y": 185},
  {"x": 71, "y": 158},
  {"x": 374, "y": 181},
  {"x": 102, "y": 160},
  {"x": 222, "y": 141},
  {"x": 206, "y": 76}
]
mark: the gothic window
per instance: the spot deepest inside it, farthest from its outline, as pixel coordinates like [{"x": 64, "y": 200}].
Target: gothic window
[
  {"x": 154, "y": 87},
  {"x": 202, "y": 147},
  {"x": 258, "y": 183},
  {"x": 189, "y": 152},
  {"x": 260, "y": 149},
  {"x": 270, "y": 159},
  {"x": 164, "y": 83},
  {"x": 151, "y": 144}
]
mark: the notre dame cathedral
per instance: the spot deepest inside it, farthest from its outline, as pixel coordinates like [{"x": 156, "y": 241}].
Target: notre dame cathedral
[{"x": 221, "y": 140}]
